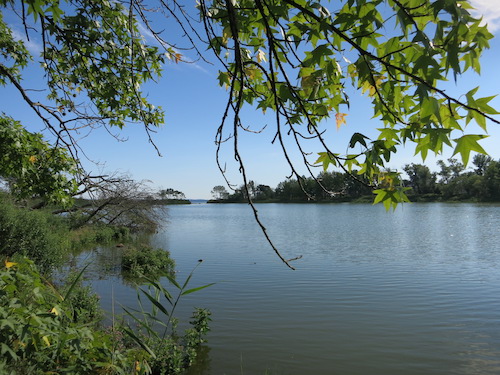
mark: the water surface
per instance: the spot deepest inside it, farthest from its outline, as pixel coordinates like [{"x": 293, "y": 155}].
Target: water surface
[{"x": 416, "y": 291}]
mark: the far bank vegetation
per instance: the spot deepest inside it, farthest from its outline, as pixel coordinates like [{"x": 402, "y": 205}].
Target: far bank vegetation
[{"x": 452, "y": 182}]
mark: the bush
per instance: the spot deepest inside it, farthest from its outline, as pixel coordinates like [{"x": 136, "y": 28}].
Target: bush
[
  {"x": 173, "y": 354},
  {"x": 98, "y": 234},
  {"x": 36, "y": 235},
  {"x": 145, "y": 260},
  {"x": 85, "y": 304},
  {"x": 39, "y": 335},
  {"x": 44, "y": 330}
]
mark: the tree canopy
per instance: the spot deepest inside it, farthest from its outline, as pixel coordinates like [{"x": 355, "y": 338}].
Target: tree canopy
[
  {"x": 298, "y": 59},
  {"x": 301, "y": 60},
  {"x": 93, "y": 62},
  {"x": 32, "y": 167}
]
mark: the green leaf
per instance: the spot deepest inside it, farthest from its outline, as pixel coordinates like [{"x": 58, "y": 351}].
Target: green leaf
[
  {"x": 75, "y": 282},
  {"x": 155, "y": 302},
  {"x": 6, "y": 349},
  {"x": 468, "y": 143},
  {"x": 189, "y": 291},
  {"x": 140, "y": 342},
  {"x": 224, "y": 79},
  {"x": 172, "y": 280},
  {"x": 391, "y": 197},
  {"x": 357, "y": 138},
  {"x": 381, "y": 195},
  {"x": 326, "y": 159},
  {"x": 140, "y": 321},
  {"x": 430, "y": 106}
]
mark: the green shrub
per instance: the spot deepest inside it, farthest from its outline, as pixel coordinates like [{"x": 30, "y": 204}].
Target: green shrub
[
  {"x": 145, "y": 260},
  {"x": 38, "y": 333},
  {"x": 85, "y": 304},
  {"x": 174, "y": 353},
  {"x": 36, "y": 235},
  {"x": 121, "y": 233},
  {"x": 43, "y": 330},
  {"x": 90, "y": 235}
]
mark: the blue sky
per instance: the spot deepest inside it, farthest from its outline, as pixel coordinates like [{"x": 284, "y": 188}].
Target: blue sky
[{"x": 193, "y": 102}]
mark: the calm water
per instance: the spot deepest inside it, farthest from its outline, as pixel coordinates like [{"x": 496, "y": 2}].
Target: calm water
[{"x": 416, "y": 291}]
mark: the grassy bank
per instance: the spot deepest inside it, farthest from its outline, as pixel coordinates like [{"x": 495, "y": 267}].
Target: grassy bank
[{"x": 54, "y": 326}]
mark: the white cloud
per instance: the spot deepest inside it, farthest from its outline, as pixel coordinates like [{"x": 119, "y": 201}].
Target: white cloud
[
  {"x": 150, "y": 38},
  {"x": 490, "y": 11},
  {"x": 145, "y": 32},
  {"x": 33, "y": 47}
]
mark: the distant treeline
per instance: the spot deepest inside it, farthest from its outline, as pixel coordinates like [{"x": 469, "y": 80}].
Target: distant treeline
[{"x": 453, "y": 182}]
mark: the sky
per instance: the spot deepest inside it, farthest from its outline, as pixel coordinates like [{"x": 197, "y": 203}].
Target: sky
[{"x": 194, "y": 103}]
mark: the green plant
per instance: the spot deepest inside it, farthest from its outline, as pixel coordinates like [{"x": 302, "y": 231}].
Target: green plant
[
  {"x": 170, "y": 352},
  {"x": 89, "y": 235},
  {"x": 34, "y": 234},
  {"x": 31, "y": 165},
  {"x": 85, "y": 304},
  {"x": 195, "y": 335},
  {"x": 39, "y": 334},
  {"x": 145, "y": 260}
]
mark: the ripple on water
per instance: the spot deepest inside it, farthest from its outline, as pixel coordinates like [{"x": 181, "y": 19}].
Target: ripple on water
[{"x": 410, "y": 292}]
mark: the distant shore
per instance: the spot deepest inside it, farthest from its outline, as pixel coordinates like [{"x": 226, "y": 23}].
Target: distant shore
[{"x": 427, "y": 198}]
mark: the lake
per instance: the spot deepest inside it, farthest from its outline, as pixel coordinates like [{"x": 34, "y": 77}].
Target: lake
[{"x": 415, "y": 291}]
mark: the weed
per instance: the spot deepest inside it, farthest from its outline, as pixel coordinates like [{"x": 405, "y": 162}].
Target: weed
[
  {"x": 39, "y": 335},
  {"x": 170, "y": 352},
  {"x": 145, "y": 260}
]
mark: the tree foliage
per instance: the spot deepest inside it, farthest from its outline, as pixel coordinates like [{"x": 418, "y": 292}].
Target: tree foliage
[
  {"x": 32, "y": 168},
  {"x": 302, "y": 60},
  {"x": 171, "y": 194},
  {"x": 94, "y": 62},
  {"x": 482, "y": 184},
  {"x": 455, "y": 183},
  {"x": 219, "y": 192},
  {"x": 421, "y": 179}
]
